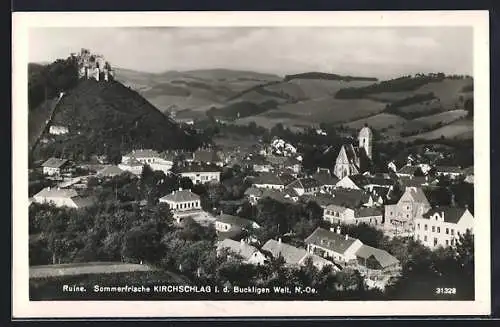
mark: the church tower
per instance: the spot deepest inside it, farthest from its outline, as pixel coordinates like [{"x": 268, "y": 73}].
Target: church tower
[{"x": 365, "y": 139}]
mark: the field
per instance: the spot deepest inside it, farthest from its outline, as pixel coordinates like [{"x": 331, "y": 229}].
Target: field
[
  {"x": 380, "y": 121},
  {"x": 461, "y": 129},
  {"x": 85, "y": 269},
  {"x": 315, "y": 88}
]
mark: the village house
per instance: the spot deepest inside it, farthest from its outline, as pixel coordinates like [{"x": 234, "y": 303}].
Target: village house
[
  {"x": 305, "y": 186},
  {"x": 234, "y": 227},
  {"x": 201, "y": 174},
  {"x": 110, "y": 171},
  {"x": 150, "y": 157},
  {"x": 63, "y": 198},
  {"x": 253, "y": 194},
  {"x": 132, "y": 165},
  {"x": 208, "y": 157},
  {"x": 452, "y": 172},
  {"x": 294, "y": 256},
  {"x": 400, "y": 217},
  {"x": 55, "y": 166},
  {"x": 352, "y": 198},
  {"x": 376, "y": 266},
  {"x": 58, "y": 130},
  {"x": 321, "y": 199},
  {"x": 333, "y": 245},
  {"x": 260, "y": 164},
  {"x": 326, "y": 180},
  {"x": 336, "y": 214},
  {"x": 268, "y": 181},
  {"x": 248, "y": 253},
  {"x": 182, "y": 203},
  {"x": 442, "y": 226}
]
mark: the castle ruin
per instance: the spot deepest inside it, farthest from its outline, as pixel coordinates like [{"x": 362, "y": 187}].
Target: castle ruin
[{"x": 93, "y": 66}]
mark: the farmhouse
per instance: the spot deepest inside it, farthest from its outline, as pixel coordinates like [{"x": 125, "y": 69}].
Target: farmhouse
[
  {"x": 268, "y": 181},
  {"x": 201, "y": 174},
  {"x": 373, "y": 262},
  {"x": 336, "y": 214},
  {"x": 326, "y": 180},
  {"x": 228, "y": 226},
  {"x": 54, "y": 166},
  {"x": 247, "y": 252},
  {"x": 442, "y": 226},
  {"x": 63, "y": 198},
  {"x": 294, "y": 256},
  {"x": 305, "y": 186},
  {"x": 333, "y": 245},
  {"x": 412, "y": 204}
]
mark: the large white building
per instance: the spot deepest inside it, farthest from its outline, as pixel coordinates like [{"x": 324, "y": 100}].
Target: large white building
[
  {"x": 182, "y": 203},
  {"x": 201, "y": 174},
  {"x": 155, "y": 160},
  {"x": 442, "y": 226}
]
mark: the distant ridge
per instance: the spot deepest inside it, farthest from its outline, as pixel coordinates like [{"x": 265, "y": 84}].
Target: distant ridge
[{"x": 328, "y": 76}]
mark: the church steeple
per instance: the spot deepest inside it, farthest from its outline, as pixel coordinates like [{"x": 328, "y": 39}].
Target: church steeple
[{"x": 365, "y": 139}]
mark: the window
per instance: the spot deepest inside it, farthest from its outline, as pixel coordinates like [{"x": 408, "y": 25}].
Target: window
[
  {"x": 407, "y": 216},
  {"x": 452, "y": 231},
  {"x": 433, "y": 229},
  {"x": 435, "y": 241},
  {"x": 407, "y": 207},
  {"x": 439, "y": 230},
  {"x": 452, "y": 241},
  {"x": 446, "y": 242},
  {"x": 447, "y": 231},
  {"x": 425, "y": 238},
  {"x": 425, "y": 227},
  {"x": 418, "y": 226}
]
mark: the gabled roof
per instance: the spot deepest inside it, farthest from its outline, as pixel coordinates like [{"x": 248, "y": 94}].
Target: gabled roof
[
  {"x": 408, "y": 170},
  {"x": 290, "y": 254},
  {"x": 207, "y": 156},
  {"x": 110, "y": 171},
  {"x": 304, "y": 183},
  {"x": 325, "y": 178},
  {"x": 451, "y": 214},
  {"x": 321, "y": 199},
  {"x": 290, "y": 192},
  {"x": 143, "y": 153},
  {"x": 350, "y": 198},
  {"x": 417, "y": 194},
  {"x": 241, "y": 248},
  {"x": 330, "y": 240},
  {"x": 49, "y": 192},
  {"x": 235, "y": 221},
  {"x": 199, "y": 169},
  {"x": 287, "y": 178},
  {"x": 360, "y": 180},
  {"x": 367, "y": 212},
  {"x": 380, "y": 181},
  {"x": 268, "y": 178},
  {"x": 181, "y": 196},
  {"x": 384, "y": 258},
  {"x": 54, "y": 163},
  {"x": 449, "y": 169}
]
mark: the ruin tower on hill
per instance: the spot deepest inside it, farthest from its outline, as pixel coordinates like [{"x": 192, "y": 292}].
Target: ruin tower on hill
[{"x": 93, "y": 66}]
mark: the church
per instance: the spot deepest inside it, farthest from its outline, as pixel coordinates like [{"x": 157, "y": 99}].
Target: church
[{"x": 351, "y": 158}]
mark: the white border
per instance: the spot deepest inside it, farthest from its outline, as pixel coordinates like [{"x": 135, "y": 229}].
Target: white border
[{"x": 23, "y": 308}]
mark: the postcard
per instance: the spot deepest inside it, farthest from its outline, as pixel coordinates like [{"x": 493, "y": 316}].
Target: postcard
[{"x": 249, "y": 164}]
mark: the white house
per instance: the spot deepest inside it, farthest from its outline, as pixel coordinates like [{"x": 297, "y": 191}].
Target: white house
[
  {"x": 54, "y": 166},
  {"x": 269, "y": 181},
  {"x": 182, "y": 203},
  {"x": 225, "y": 223},
  {"x": 151, "y": 158},
  {"x": 132, "y": 165},
  {"x": 332, "y": 244},
  {"x": 201, "y": 174},
  {"x": 247, "y": 252},
  {"x": 63, "y": 198},
  {"x": 58, "y": 130},
  {"x": 305, "y": 186},
  {"x": 336, "y": 214},
  {"x": 442, "y": 226}
]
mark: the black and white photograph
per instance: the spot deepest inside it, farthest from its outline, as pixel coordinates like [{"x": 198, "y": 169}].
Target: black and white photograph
[{"x": 262, "y": 162}]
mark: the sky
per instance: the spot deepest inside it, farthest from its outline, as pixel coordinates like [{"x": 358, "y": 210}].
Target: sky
[{"x": 362, "y": 51}]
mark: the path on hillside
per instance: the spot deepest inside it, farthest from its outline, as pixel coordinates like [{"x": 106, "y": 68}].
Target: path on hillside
[{"x": 46, "y": 123}]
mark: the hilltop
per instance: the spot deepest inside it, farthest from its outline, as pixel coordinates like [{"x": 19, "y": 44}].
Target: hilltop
[{"x": 102, "y": 118}]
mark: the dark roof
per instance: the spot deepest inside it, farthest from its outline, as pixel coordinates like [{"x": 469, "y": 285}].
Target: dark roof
[
  {"x": 304, "y": 183},
  {"x": 276, "y": 195},
  {"x": 351, "y": 152},
  {"x": 207, "y": 156},
  {"x": 325, "y": 178},
  {"x": 330, "y": 240},
  {"x": 359, "y": 180},
  {"x": 381, "y": 181},
  {"x": 287, "y": 178},
  {"x": 449, "y": 169},
  {"x": 253, "y": 191},
  {"x": 350, "y": 198},
  {"x": 416, "y": 181},
  {"x": 54, "y": 163},
  {"x": 290, "y": 192},
  {"x": 235, "y": 233},
  {"x": 235, "y": 221},
  {"x": 384, "y": 258},
  {"x": 451, "y": 214},
  {"x": 268, "y": 178},
  {"x": 181, "y": 196},
  {"x": 199, "y": 168},
  {"x": 321, "y": 199},
  {"x": 367, "y": 212},
  {"x": 381, "y": 191}
]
